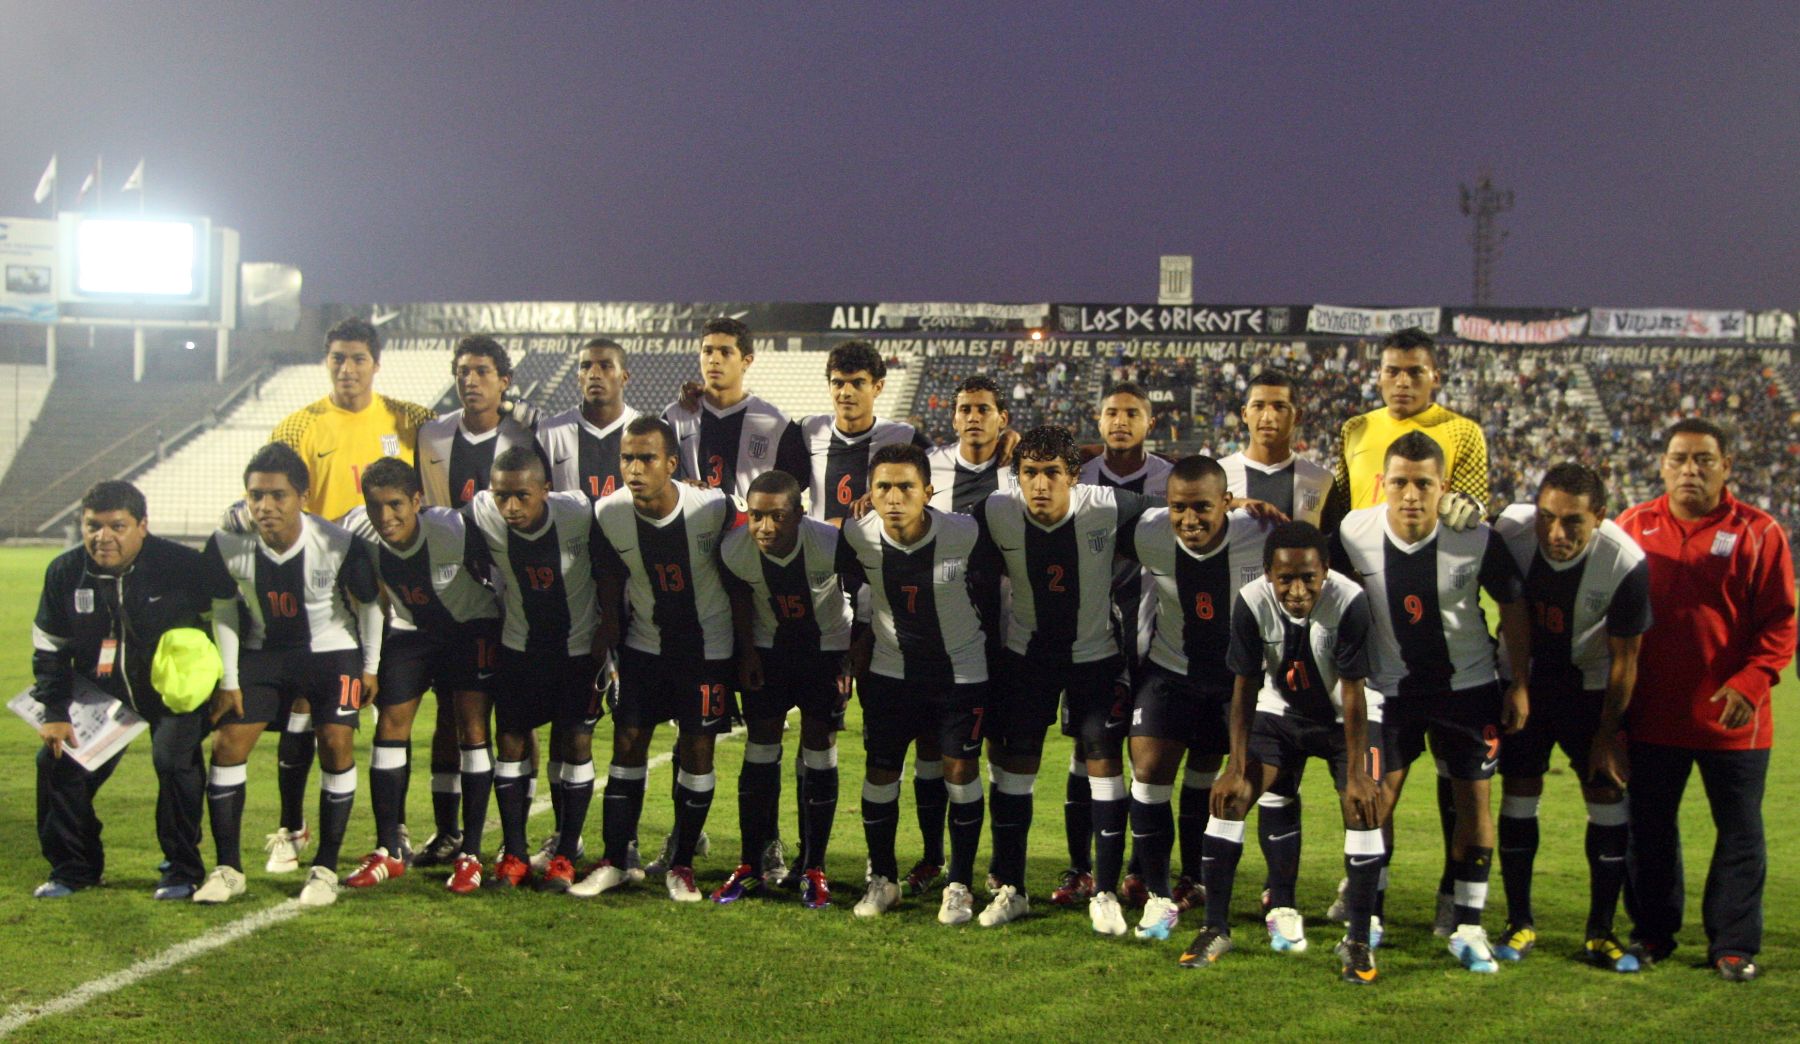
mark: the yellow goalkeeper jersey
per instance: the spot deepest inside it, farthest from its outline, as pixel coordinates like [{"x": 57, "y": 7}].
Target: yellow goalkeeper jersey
[
  {"x": 338, "y": 444},
  {"x": 1356, "y": 474}
]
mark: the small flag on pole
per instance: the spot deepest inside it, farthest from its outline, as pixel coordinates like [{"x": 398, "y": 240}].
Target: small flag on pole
[
  {"x": 47, "y": 183},
  {"x": 135, "y": 183},
  {"x": 88, "y": 183}
]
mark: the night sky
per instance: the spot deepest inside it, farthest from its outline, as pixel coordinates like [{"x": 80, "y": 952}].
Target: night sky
[{"x": 1013, "y": 152}]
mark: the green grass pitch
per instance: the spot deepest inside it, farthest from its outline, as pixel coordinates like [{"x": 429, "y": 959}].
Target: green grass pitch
[{"x": 409, "y": 961}]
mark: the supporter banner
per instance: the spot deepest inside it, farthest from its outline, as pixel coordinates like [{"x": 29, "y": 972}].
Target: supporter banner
[
  {"x": 1686, "y": 324},
  {"x": 1674, "y": 355},
  {"x": 647, "y": 317},
  {"x": 28, "y": 270},
  {"x": 1369, "y": 322},
  {"x": 1111, "y": 350},
  {"x": 1173, "y": 319},
  {"x": 1519, "y": 325},
  {"x": 1775, "y": 326}
]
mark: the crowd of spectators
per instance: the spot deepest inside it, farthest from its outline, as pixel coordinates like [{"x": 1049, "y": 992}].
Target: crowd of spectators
[{"x": 1528, "y": 401}]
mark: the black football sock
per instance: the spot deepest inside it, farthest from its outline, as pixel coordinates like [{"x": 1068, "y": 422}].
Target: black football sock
[
  {"x": 805, "y": 858},
  {"x": 819, "y": 797},
  {"x": 578, "y": 795},
  {"x": 1196, "y": 801},
  {"x": 389, "y": 765},
  {"x": 512, "y": 794},
  {"x": 293, "y": 767},
  {"x": 759, "y": 799},
  {"x": 1381, "y": 883},
  {"x": 1078, "y": 816},
  {"x": 446, "y": 799},
  {"x": 1110, "y": 810},
  {"x": 1224, "y": 846},
  {"x": 1272, "y": 799},
  {"x": 554, "y": 774},
  {"x": 932, "y": 802},
  {"x": 966, "y": 813},
  {"x": 1011, "y": 808},
  {"x": 337, "y": 796},
  {"x": 1518, "y": 835},
  {"x": 1279, "y": 835},
  {"x": 1608, "y": 831},
  {"x": 1471, "y": 884},
  {"x": 1446, "y": 801},
  {"x": 693, "y": 799},
  {"x": 620, "y": 810},
  {"x": 1363, "y": 862},
  {"x": 225, "y": 786},
  {"x": 477, "y": 783},
  {"x": 881, "y": 823},
  {"x": 1153, "y": 833}
]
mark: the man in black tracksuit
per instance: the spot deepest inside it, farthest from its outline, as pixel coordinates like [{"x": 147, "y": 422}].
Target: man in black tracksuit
[{"x": 105, "y": 606}]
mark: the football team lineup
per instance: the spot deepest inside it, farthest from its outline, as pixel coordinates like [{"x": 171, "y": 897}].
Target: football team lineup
[{"x": 1201, "y": 625}]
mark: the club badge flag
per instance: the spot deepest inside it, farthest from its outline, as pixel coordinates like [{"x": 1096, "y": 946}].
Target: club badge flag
[
  {"x": 46, "y": 184},
  {"x": 135, "y": 183}
]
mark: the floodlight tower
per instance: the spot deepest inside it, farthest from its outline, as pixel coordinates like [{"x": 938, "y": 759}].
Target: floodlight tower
[{"x": 1484, "y": 203}]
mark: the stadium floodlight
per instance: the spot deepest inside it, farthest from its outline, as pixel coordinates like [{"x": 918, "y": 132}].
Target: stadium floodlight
[
  {"x": 137, "y": 258},
  {"x": 1037, "y": 335}
]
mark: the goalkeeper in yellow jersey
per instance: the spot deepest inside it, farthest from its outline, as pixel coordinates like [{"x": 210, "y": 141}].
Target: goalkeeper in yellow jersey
[
  {"x": 342, "y": 434},
  {"x": 1409, "y": 378},
  {"x": 337, "y": 437}
]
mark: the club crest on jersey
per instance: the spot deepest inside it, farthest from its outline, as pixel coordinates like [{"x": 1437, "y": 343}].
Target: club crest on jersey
[
  {"x": 390, "y": 445},
  {"x": 1461, "y": 575},
  {"x": 759, "y": 446},
  {"x": 1248, "y": 572},
  {"x": 1097, "y": 540},
  {"x": 84, "y": 600},
  {"x": 446, "y": 572},
  {"x": 950, "y": 570},
  {"x": 819, "y": 579},
  {"x": 322, "y": 577},
  {"x": 1597, "y": 601}
]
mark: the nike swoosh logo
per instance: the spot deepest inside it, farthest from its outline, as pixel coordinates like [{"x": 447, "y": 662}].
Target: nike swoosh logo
[
  {"x": 258, "y": 300},
  {"x": 561, "y": 460},
  {"x": 380, "y": 318},
  {"x": 1112, "y": 833},
  {"x": 1651, "y": 530},
  {"x": 327, "y": 453},
  {"x": 437, "y": 460},
  {"x": 483, "y": 675},
  {"x": 707, "y": 723},
  {"x": 154, "y": 598},
  {"x": 1282, "y": 837},
  {"x": 964, "y": 822},
  {"x": 1612, "y": 859},
  {"x": 1488, "y": 766},
  {"x": 699, "y": 804},
  {"x": 1365, "y": 860}
]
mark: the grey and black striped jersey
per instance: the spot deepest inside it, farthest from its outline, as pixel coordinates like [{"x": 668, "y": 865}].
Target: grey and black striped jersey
[
  {"x": 546, "y": 576},
  {"x": 958, "y": 485},
  {"x": 923, "y": 615},
  {"x": 432, "y": 584},
  {"x": 1301, "y": 664},
  {"x": 1297, "y": 486},
  {"x": 798, "y": 601},
  {"x": 296, "y": 598},
  {"x": 1195, "y": 593},
  {"x": 677, "y": 597}
]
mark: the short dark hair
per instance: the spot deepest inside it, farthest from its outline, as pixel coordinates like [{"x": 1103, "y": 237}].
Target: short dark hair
[
  {"x": 1198, "y": 467},
  {"x": 391, "y": 473},
  {"x": 1415, "y": 446},
  {"x": 114, "y": 495},
  {"x": 1411, "y": 339},
  {"x": 1047, "y": 443},
  {"x": 356, "y": 330},
  {"x": 646, "y": 424},
  {"x": 605, "y": 344},
  {"x": 521, "y": 458},
  {"x": 1699, "y": 426},
  {"x": 279, "y": 458},
  {"x": 902, "y": 453},
  {"x": 1273, "y": 378},
  {"x": 1296, "y": 536},
  {"x": 1578, "y": 480},
  {"x": 1126, "y": 388},
  {"x": 981, "y": 382},
  {"x": 725, "y": 324},
  {"x": 483, "y": 345},
  {"x": 856, "y": 357},
  {"x": 778, "y": 483}
]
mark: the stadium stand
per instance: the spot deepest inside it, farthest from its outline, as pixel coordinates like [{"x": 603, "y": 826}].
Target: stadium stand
[
  {"x": 1037, "y": 392},
  {"x": 19, "y": 411},
  {"x": 194, "y": 484}
]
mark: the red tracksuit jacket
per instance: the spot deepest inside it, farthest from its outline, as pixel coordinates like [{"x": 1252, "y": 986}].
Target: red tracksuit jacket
[{"x": 1722, "y": 592}]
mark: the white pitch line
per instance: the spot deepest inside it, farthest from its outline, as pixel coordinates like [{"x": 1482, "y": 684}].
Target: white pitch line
[{"x": 21, "y": 1015}]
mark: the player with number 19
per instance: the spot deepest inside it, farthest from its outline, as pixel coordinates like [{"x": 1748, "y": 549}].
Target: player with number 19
[
  {"x": 297, "y": 576},
  {"x": 659, "y": 551},
  {"x": 543, "y": 547}
]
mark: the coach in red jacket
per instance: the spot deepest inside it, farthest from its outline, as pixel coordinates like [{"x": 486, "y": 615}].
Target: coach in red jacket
[{"x": 1722, "y": 591}]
